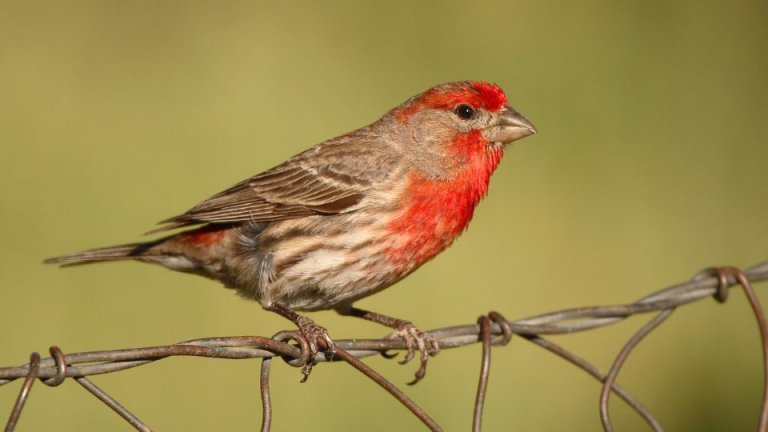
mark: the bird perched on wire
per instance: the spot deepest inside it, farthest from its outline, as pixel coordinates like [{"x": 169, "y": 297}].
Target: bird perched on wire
[{"x": 348, "y": 217}]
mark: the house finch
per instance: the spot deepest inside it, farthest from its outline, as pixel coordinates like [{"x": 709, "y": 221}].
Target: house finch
[{"x": 348, "y": 217}]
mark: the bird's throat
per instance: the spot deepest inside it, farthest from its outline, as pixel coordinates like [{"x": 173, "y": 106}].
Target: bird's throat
[{"x": 436, "y": 212}]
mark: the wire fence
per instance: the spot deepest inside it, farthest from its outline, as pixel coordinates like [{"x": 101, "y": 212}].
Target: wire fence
[{"x": 492, "y": 329}]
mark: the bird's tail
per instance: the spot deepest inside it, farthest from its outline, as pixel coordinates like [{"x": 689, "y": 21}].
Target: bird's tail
[
  {"x": 188, "y": 251},
  {"x": 111, "y": 253}
]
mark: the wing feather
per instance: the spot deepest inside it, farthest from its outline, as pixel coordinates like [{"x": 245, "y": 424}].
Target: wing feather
[{"x": 330, "y": 178}]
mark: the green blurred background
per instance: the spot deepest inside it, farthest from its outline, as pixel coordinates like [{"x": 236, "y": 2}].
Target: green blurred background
[{"x": 650, "y": 164}]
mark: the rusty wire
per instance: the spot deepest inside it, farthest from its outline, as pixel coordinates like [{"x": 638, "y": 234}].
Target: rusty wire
[{"x": 491, "y": 329}]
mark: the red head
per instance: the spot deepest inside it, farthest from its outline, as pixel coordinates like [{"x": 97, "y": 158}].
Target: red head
[
  {"x": 458, "y": 122},
  {"x": 455, "y": 139},
  {"x": 482, "y": 95}
]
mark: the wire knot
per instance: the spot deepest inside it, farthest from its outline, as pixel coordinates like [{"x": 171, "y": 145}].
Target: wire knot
[
  {"x": 503, "y": 323},
  {"x": 722, "y": 274},
  {"x": 61, "y": 367},
  {"x": 304, "y": 360}
]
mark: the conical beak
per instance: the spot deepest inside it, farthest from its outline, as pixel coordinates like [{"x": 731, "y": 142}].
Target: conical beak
[{"x": 509, "y": 126}]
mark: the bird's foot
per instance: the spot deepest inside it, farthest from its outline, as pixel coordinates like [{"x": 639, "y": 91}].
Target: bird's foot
[
  {"x": 315, "y": 336},
  {"x": 318, "y": 341},
  {"x": 415, "y": 339}
]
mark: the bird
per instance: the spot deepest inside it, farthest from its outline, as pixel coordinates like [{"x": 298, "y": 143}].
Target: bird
[{"x": 348, "y": 217}]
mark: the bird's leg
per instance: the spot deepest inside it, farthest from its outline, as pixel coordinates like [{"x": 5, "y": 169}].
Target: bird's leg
[
  {"x": 316, "y": 335},
  {"x": 414, "y": 338}
]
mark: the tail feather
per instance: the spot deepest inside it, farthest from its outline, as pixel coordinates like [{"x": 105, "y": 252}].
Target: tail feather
[
  {"x": 186, "y": 251},
  {"x": 112, "y": 253}
]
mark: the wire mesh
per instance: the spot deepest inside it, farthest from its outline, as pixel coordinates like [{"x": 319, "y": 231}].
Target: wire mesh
[{"x": 492, "y": 329}]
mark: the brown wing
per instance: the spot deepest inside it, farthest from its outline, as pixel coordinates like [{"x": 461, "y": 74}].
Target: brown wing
[{"x": 329, "y": 178}]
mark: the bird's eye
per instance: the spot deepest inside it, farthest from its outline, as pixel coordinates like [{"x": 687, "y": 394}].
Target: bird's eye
[{"x": 464, "y": 111}]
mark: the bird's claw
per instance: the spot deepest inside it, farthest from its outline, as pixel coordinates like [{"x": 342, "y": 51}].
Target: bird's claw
[
  {"x": 318, "y": 340},
  {"x": 416, "y": 339}
]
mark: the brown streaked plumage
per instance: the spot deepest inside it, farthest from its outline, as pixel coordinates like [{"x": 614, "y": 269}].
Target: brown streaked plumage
[{"x": 347, "y": 217}]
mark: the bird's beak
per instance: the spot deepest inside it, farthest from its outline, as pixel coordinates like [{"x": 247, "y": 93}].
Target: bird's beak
[{"x": 509, "y": 126}]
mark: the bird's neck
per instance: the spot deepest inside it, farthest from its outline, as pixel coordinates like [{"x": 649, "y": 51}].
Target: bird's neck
[{"x": 436, "y": 211}]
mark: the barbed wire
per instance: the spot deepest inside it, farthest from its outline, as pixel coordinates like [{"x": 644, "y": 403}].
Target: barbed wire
[{"x": 492, "y": 329}]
